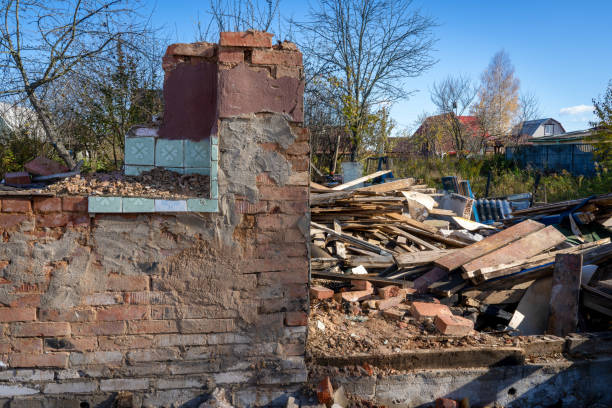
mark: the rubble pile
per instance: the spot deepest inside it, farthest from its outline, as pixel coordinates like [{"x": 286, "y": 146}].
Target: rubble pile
[
  {"x": 48, "y": 177},
  {"x": 402, "y": 252}
]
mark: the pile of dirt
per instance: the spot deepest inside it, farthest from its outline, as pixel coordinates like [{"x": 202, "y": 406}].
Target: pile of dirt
[{"x": 156, "y": 183}]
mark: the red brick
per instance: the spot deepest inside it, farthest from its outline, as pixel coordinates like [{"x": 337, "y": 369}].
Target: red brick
[
  {"x": 80, "y": 344},
  {"x": 246, "y": 39},
  {"x": 277, "y": 264},
  {"x": 5, "y": 347},
  {"x": 17, "y": 178},
  {"x": 127, "y": 283},
  {"x": 320, "y": 292},
  {"x": 27, "y": 345},
  {"x": 246, "y": 207},
  {"x": 43, "y": 166},
  {"x": 79, "y": 220},
  {"x": 52, "y": 220},
  {"x": 297, "y": 290},
  {"x": 29, "y": 300},
  {"x": 284, "y": 278},
  {"x": 294, "y": 207},
  {"x": 152, "y": 326},
  {"x": 72, "y": 315},
  {"x": 277, "y": 57},
  {"x": 38, "y": 360},
  {"x": 11, "y": 220},
  {"x": 125, "y": 342},
  {"x": 390, "y": 302},
  {"x": 354, "y": 296},
  {"x": 388, "y": 291},
  {"x": 122, "y": 312},
  {"x": 325, "y": 391},
  {"x": 288, "y": 250},
  {"x": 299, "y": 163},
  {"x": 358, "y": 284},
  {"x": 283, "y": 193},
  {"x": 231, "y": 55},
  {"x": 287, "y": 71},
  {"x": 38, "y": 329},
  {"x": 421, "y": 310},
  {"x": 206, "y": 325},
  {"x": 98, "y": 328},
  {"x": 18, "y": 205},
  {"x": 296, "y": 319},
  {"x": 47, "y": 204},
  {"x": 198, "y": 49},
  {"x": 394, "y": 313},
  {"x": 16, "y": 314},
  {"x": 74, "y": 204},
  {"x": 446, "y": 403},
  {"x": 453, "y": 325}
]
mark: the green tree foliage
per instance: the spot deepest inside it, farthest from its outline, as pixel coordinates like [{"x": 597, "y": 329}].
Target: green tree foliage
[{"x": 603, "y": 125}]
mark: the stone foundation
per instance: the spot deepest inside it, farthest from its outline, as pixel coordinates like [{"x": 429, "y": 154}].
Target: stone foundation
[{"x": 155, "y": 308}]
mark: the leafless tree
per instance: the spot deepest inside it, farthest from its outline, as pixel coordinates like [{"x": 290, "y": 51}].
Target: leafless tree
[
  {"x": 529, "y": 107},
  {"x": 237, "y": 15},
  {"x": 453, "y": 97},
  {"x": 367, "y": 49},
  {"x": 43, "y": 41}
]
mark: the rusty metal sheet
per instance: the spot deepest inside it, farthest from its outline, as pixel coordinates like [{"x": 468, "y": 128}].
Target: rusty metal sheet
[
  {"x": 565, "y": 295},
  {"x": 523, "y": 248},
  {"x": 487, "y": 245}
]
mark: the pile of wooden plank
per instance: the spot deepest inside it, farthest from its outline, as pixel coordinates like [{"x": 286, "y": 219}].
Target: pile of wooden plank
[{"x": 394, "y": 234}]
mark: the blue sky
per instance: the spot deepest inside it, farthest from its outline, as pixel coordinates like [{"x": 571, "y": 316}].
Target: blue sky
[{"x": 561, "y": 50}]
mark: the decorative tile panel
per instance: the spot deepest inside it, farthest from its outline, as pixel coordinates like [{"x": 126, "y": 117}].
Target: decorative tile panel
[
  {"x": 136, "y": 170},
  {"x": 140, "y": 151},
  {"x": 138, "y": 205},
  {"x": 169, "y": 153},
  {"x": 214, "y": 140},
  {"x": 202, "y": 205},
  {"x": 214, "y": 189},
  {"x": 179, "y": 170},
  {"x": 197, "y": 154},
  {"x": 214, "y": 152},
  {"x": 197, "y": 170},
  {"x": 213, "y": 171},
  {"x": 104, "y": 204},
  {"x": 170, "y": 205}
]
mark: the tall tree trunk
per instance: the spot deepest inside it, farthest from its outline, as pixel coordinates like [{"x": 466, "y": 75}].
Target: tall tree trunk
[
  {"x": 44, "y": 117},
  {"x": 335, "y": 155}
]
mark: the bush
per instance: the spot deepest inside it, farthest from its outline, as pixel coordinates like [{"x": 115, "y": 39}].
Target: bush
[{"x": 506, "y": 177}]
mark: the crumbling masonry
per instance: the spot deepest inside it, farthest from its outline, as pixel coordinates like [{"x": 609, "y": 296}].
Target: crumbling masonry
[{"x": 166, "y": 303}]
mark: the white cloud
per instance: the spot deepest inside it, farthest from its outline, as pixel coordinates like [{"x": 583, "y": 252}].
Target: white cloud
[{"x": 576, "y": 110}]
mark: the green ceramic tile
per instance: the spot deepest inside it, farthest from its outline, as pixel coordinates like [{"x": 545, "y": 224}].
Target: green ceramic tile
[
  {"x": 202, "y": 205},
  {"x": 170, "y": 205},
  {"x": 104, "y": 204},
  {"x": 138, "y": 205},
  {"x": 196, "y": 170},
  {"x": 213, "y": 170},
  {"x": 214, "y": 140},
  {"x": 169, "y": 153},
  {"x": 214, "y": 152},
  {"x": 136, "y": 170},
  {"x": 140, "y": 151},
  {"x": 197, "y": 154},
  {"x": 178, "y": 170},
  {"x": 214, "y": 189}
]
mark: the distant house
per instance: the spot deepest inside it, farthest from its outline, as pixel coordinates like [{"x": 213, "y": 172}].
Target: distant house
[
  {"x": 434, "y": 138},
  {"x": 532, "y": 129}
]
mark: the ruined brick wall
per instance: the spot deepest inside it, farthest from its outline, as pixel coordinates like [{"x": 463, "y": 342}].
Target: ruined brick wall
[{"x": 167, "y": 306}]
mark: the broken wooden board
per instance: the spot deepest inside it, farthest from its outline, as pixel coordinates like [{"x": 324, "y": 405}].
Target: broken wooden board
[
  {"x": 487, "y": 245},
  {"x": 370, "y": 262},
  {"x": 531, "y": 314},
  {"x": 447, "y": 287},
  {"x": 360, "y": 180},
  {"x": 491, "y": 272},
  {"x": 374, "y": 280},
  {"x": 565, "y": 295},
  {"x": 340, "y": 248},
  {"x": 522, "y": 248},
  {"x": 352, "y": 240},
  {"x": 390, "y": 186},
  {"x": 421, "y": 257},
  {"x": 435, "y": 274},
  {"x": 329, "y": 198},
  {"x": 412, "y": 222},
  {"x": 596, "y": 299},
  {"x": 317, "y": 186}
]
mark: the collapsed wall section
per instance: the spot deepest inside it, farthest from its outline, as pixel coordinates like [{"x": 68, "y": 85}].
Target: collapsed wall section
[{"x": 159, "y": 307}]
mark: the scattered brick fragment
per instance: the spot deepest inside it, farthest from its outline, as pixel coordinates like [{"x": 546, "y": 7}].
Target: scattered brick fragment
[
  {"x": 390, "y": 302},
  {"x": 17, "y": 178},
  {"x": 422, "y": 310},
  {"x": 353, "y": 296},
  {"x": 446, "y": 403},
  {"x": 321, "y": 293},
  {"x": 394, "y": 313},
  {"x": 388, "y": 291},
  {"x": 453, "y": 325},
  {"x": 325, "y": 391},
  {"x": 361, "y": 285}
]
